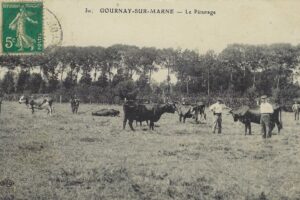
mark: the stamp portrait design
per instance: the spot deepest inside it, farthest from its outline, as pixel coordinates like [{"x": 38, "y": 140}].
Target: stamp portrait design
[{"x": 22, "y": 27}]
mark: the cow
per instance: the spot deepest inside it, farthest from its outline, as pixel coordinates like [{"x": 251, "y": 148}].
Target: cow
[
  {"x": 39, "y": 103},
  {"x": 188, "y": 111},
  {"x": 184, "y": 111},
  {"x": 74, "y": 105},
  {"x": 246, "y": 115},
  {"x": 142, "y": 112},
  {"x": 199, "y": 109},
  {"x": 106, "y": 112}
]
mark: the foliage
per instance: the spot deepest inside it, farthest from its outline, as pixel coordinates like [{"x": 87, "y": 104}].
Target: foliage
[
  {"x": 8, "y": 84},
  {"x": 238, "y": 70}
]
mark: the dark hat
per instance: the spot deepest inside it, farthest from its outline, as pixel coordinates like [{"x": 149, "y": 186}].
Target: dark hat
[
  {"x": 219, "y": 99},
  {"x": 263, "y": 97}
]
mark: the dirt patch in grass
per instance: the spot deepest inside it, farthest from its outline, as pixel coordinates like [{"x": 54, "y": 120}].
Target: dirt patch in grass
[
  {"x": 87, "y": 139},
  {"x": 32, "y": 147},
  {"x": 7, "y": 182}
]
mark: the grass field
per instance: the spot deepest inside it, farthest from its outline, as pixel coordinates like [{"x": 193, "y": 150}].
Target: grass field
[{"x": 66, "y": 156}]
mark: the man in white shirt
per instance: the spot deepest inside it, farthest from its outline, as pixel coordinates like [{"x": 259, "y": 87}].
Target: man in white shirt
[
  {"x": 266, "y": 109},
  {"x": 217, "y": 109}
]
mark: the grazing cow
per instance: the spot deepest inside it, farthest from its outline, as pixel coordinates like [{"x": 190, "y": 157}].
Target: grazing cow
[
  {"x": 142, "y": 112},
  {"x": 74, "y": 105},
  {"x": 189, "y": 111},
  {"x": 246, "y": 115},
  {"x": 39, "y": 103},
  {"x": 106, "y": 112}
]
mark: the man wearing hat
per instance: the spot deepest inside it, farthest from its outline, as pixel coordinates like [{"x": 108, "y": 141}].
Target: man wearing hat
[
  {"x": 266, "y": 109},
  {"x": 217, "y": 109}
]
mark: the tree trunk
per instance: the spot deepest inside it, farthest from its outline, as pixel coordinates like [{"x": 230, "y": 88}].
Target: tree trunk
[
  {"x": 187, "y": 87},
  {"x": 208, "y": 82}
]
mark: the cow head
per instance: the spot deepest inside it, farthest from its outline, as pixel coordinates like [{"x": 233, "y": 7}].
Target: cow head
[
  {"x": 234, "y": 115},
  {"x": 23, "y": 99},
  {"x": 239, "y": 113},
  {"x": 170, "y": 107}
]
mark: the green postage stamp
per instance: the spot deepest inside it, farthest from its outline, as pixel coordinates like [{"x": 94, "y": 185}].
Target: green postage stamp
[{"x": 22, "y": 27}]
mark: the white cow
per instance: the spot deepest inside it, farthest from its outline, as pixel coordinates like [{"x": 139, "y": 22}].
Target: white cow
[{"x": 39, "y": 103}]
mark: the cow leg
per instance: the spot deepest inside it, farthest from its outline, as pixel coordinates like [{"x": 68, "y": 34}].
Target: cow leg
[
  {"x": 124, "y": 122},
  {"x": 50, "y": 107},
  {"x": 184, "y": 119},
  {"x": 196, "y": 116},
  {"x": 250, "y": 133},
  {"x": 151, "y": 125},
  {"x": 32, "y": 109},
  {"x": 130, "y": 124},
  {"x": 279, "y": 126},
  {"x": 246, "y": 127},
  {"x": 180, "y": 118}
]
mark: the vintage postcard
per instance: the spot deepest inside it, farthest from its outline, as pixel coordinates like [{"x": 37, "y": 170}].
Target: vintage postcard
[{"x": 150, "y": 99}]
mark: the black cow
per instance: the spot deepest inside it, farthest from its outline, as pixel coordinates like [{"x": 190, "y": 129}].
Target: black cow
[
  {"x": 74, "y": 105},
  {"x": 106, "y": 112},
  {"x": 141, "y": 112},
  {"x": 246, "y": 115},
  {"x": 189, "y": 111},
  {"x": 199, "y": 109},
  {"x": 39, "y": 103}
]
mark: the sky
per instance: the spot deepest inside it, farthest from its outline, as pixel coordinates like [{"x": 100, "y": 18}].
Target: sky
[{"x": 235, "y": 21}]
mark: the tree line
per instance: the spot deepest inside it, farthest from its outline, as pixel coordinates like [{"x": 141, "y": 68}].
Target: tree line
[{"x": 99, "y": 74}]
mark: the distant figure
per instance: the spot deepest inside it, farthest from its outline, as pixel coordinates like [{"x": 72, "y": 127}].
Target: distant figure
[
  {"x": 296, "y": 109},
  {"x": 266, "y": 109},
  {"x": 74, "y": 104},
  {"x": 217, "y": 110}
]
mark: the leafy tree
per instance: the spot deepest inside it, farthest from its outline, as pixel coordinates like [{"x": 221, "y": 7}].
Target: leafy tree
[
  {"x": 23, "y": 81},
  {"x": 35, "y": 82},
  {"x": 86, "y": 79},
  {"x": 126, "y": 89},
  {"x": 8, "y": 85},
  {"x": 69, "y": 82}
]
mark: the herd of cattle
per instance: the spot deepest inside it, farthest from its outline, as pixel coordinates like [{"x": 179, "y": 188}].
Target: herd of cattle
[{"x": 140, "y": 112}]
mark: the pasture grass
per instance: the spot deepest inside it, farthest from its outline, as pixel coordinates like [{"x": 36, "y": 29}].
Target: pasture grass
[{"x": 66, "y": 156}]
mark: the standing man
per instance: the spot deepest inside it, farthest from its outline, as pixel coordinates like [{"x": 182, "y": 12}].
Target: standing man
[
  {"x": 217, "y": 109},
  {"x": 296, "y": 109},
  {"x": 266, "y": 109}
]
